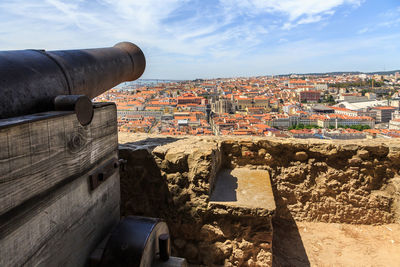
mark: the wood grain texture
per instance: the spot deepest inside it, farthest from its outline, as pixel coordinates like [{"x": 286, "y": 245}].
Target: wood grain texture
[
  {"x": 48, "y": 214},
  {"x": 64, "y": 227},
  {"x": 4, "y": 154},
  {"x": 36, "y": 156}
]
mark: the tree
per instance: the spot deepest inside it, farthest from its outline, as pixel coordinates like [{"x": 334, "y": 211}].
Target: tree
[{"x": 330, "y": 99}]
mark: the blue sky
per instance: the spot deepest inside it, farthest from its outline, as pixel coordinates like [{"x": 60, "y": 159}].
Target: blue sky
[{"x": 187, "y": 39}]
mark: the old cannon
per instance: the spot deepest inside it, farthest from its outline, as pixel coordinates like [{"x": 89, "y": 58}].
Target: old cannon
[
  {"x": 59, "y": 167},
  {"x": 32, "y": 79}
]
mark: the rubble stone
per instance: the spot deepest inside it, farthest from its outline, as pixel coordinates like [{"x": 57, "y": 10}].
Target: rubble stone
[{"x": 301, "y": 156}]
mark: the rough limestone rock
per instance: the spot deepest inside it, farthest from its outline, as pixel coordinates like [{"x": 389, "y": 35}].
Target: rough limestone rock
[
  {"x": 363, "y": 154},
  {"x": 191, "y": 251},
  {"x": 210, "y": 232},
  {"x": 301, "y": 156},
  {"x": 354, "y": 182},
  {"x": 263, "y": 258}
]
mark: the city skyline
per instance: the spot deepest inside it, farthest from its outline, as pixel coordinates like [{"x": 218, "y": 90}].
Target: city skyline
[{"x": 185, "y": 39}]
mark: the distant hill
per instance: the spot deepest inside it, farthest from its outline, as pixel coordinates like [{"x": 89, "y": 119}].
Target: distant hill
[{"x": 344, "y": 72}]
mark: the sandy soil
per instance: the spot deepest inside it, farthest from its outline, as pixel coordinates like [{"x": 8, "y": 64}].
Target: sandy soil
[{"x": 331, "y": 244}]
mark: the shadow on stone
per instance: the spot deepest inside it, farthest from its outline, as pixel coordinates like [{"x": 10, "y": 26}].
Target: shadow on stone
[
  {"x": 144, "y": 192},
  {"x": 287, "y": 246},
  {"x": 151, "y": 143},
  {"x": 225, "y": 188}
]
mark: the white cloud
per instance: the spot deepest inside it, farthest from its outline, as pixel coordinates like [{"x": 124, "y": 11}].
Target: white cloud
[
  {"x": 301, "y": 57},
  {"x": 389, "y": 19},
  {"x": 151, "y": 23},
  {"x": 219, "y": 39},
  {"x": 297, "y": 12},
  {"x": 363, "y": 30},
  {"x": 311, "y": 19}
]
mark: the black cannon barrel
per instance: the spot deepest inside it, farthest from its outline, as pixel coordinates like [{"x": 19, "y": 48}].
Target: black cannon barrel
[{"x": 31, "y": 79}]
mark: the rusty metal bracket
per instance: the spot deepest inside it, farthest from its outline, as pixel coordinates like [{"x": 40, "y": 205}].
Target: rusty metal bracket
[{"x": 103, "y": 172}]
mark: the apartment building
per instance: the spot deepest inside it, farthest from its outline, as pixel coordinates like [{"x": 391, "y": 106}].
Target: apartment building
[
  {"x": 309, "y": 96},
  {"x": 384, "y": 114}
]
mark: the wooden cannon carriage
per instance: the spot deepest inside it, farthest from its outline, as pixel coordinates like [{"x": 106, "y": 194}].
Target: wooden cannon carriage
[{"x": 59, "y": 167}]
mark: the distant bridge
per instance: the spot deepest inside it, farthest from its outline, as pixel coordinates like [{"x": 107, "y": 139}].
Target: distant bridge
[
  {"x": 158, "y": 80},
  {"x": 143, "y": 82}
]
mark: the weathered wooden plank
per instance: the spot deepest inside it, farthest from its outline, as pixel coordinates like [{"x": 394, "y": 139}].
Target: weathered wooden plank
[
  {"x": 19, "y": 148},
  {"x": 4, "y": 154},
  {"x": 39, "y": 141},
  {"x": 63, "y": 228},
  {"x": 12, "y": 122},
  {"x": 43, "y": 153}
]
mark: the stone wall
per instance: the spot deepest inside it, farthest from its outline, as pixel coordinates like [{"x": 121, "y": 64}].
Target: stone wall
[
  {"x": 313, "y": 181},
  {"x": 174, "y": 182},
  {"x": 327, "y": 182}
]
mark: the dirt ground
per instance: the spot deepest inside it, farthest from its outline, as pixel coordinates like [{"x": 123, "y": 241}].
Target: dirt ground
[{"x": 331, "y": 244}]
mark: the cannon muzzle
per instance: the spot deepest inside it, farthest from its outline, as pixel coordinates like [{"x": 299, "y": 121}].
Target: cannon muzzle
[{"x": 30, "y": 80}]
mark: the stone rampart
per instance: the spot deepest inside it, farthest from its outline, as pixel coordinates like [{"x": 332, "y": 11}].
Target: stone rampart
[{"x": 172, "y": 178}]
